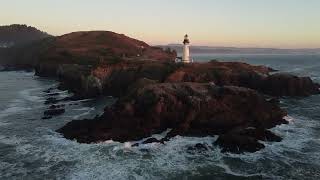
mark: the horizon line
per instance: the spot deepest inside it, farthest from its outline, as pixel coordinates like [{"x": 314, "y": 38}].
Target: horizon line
[{"x": 168, "y": 44}]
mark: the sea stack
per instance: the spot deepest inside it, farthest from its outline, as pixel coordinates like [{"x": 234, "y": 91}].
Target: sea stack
[{"x": 186, "y": 50}]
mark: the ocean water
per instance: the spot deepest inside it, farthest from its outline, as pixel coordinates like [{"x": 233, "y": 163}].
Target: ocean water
[{"x": 31, "y": 149}]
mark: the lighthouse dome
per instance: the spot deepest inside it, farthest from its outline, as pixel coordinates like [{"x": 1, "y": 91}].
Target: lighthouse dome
[{"x": 186, "y": 39}]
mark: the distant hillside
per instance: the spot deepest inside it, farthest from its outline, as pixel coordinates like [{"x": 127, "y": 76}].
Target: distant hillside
[
  {"x": 86, "y": 48},
  {"x": 13, "y": 35},
  {"x": 90, "y": 47},
  {"x": 235, "y": 50}
]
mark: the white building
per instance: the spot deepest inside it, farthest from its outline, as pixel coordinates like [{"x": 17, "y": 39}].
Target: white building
[{"x": 186, "y": 50}]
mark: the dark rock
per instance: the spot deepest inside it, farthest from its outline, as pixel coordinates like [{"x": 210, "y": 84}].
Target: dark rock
[
  {"x": 245, "y": 140},
  {"x": 237, "y": 143},
  {"x": 152, "y": 140},
  {"x": 274, "y": 100},
  {"x": 289, "y": 85},
  {"x": 57, "y": 106},
  {"x": 188, "y": 108},
  {"x": 54, "y": 112},
  {"x": 165, "y": 139},
  {"x": 52, "y": 94},
  {"x": 51, "y": 100},
  {"x": 260, "y": 134},
  {"x": 72, "y": 98},
  {"x": 199, "y": 147},
  {"x": 245, "y": 75},
  {"x": 117, "y": 78},
  {"x": 49, "y": 90}
]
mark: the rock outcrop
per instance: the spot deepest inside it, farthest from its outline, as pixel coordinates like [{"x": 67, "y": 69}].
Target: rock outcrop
[
  {"x": 245, "y": 140},
  {"x": 189, "y": 109},
  {"x": 116, "y": 79},
  {"x": 201, "y": 99},
  {"x": 88, "y": 62},
  {"x": 288, "y": 85},
  {"x": 245, "y": 75}
]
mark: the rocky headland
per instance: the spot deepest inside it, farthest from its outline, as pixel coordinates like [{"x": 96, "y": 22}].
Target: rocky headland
[{"x": 236, "y": 101}]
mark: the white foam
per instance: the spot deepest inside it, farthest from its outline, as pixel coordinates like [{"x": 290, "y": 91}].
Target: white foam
[
  {"x": 87, "y": 109},
  {"x": 26, "y": 94},
  {"x": 84, "y": 109},
  {"x": 80, "y": 115},
  {"x": 12, "y": 110},
  {"x": 127, "y": 145},
  {"x": 288, "y": 118},
  {"x": 4, "y": 123},
  {"x": 109, "y": 142},
  {"x": 12, "y": 140},
  {"x": 229, "y": 171}
]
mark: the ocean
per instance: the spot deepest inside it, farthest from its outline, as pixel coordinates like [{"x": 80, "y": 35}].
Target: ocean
[{"x": 31, "y": 149}]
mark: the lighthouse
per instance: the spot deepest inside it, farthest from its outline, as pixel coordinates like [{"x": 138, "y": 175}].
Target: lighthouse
[{"x": 186, "y": 50}]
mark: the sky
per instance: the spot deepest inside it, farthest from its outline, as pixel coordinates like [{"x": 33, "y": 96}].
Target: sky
[{"x": 237, "y": 23}]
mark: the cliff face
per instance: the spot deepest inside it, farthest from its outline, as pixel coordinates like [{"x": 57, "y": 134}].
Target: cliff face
[
  {"x": 116, "y": 79},
  {"x": 245, "y": 75},
  {"x": 106, "y": 59}
]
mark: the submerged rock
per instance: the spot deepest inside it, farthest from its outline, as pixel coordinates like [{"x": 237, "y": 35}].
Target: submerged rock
[
  {"x": 151, "y": 140},
  {"x": 199, "y": 147},
  {"x": 57, "y": 106},
  {"x": 237, "y": 143},
  {"x": 53, "y": 112},
  {"x": 245, "y": 140},
  {"x": 51, "y": 100}
]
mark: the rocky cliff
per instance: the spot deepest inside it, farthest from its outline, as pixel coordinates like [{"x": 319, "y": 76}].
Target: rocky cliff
[
  {"x": 81, "y": 61},
  {"x": 189, "y": 109},
  {"x": 115, "y": 79},
  {"x": 232, "y": 100}
]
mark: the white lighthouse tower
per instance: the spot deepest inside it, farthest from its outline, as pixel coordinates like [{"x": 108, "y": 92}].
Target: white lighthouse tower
[{"x": 186, "y": 50}]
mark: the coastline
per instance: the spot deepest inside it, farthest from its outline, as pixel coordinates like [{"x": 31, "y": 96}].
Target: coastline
[{"x": 153, "y": 82}]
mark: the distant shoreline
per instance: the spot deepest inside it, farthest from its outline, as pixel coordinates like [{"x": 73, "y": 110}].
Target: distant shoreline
[{"x": 236, "y": 50}]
